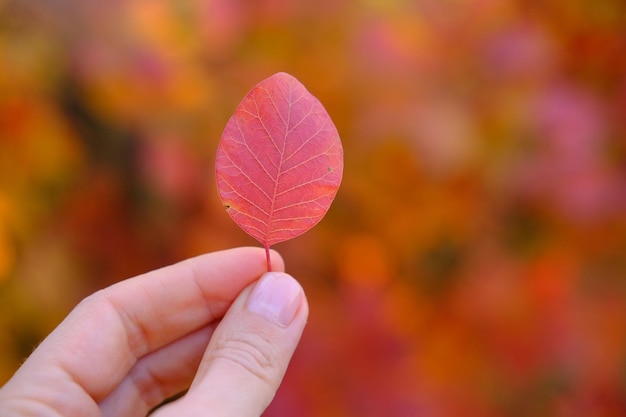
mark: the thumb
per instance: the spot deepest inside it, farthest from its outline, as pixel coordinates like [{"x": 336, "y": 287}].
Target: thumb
[{"x": 249, "y": 351}]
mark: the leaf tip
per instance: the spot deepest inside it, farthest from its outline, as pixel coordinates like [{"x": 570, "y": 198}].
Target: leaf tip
[{"x": 284, "y": 76}]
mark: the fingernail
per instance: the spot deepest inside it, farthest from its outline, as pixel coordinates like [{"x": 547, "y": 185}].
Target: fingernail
[{"x": 276, "y": 297}]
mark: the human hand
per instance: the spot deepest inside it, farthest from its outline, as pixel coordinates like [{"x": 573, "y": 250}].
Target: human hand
[{"x": 126, "y": 348}]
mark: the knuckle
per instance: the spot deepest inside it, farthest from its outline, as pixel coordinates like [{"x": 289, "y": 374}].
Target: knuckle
[
  {"x": 250, "y": 351},
  {"x": 148, "y": 384}
]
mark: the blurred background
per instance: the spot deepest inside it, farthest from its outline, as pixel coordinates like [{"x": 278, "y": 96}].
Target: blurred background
[{"x": 474, "y": 260}]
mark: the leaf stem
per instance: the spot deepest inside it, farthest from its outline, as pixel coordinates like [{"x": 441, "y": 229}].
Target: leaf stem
[{"x": 267, "y": 257}]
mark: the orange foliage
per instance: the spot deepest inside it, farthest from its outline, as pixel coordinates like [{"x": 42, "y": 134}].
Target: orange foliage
[{"x": 473, "y": 262}]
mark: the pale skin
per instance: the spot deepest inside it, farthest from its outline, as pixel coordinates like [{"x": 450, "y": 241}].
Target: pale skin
[{"x": 215, "y": 322}]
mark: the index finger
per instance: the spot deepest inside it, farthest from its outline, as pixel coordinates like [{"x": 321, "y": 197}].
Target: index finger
[{"x": 104, "y": 336}]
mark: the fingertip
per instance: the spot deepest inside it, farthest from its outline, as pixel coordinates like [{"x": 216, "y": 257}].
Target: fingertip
[
  {"x": 260, "y": 257},
  {"x": 277, "y": 297},
  {"x": 277, "y": 261}
]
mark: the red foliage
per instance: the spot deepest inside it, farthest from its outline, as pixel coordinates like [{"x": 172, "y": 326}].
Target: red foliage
[
  {"x": 472, "y": 263},
  {"x": 280, "y": 161}
]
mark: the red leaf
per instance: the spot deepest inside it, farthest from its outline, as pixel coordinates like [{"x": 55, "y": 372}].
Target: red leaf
[{"x": 279, "y": 162}]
